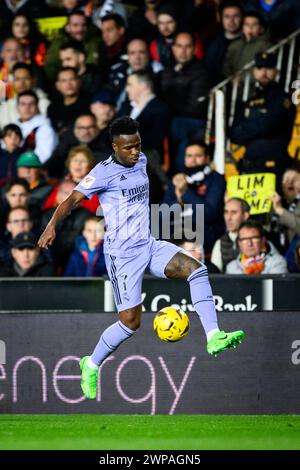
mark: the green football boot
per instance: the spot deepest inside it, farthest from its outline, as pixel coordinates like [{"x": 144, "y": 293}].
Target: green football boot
[
  {"x": 89, "y": 378},
  {"x": 221, "y": 341}
]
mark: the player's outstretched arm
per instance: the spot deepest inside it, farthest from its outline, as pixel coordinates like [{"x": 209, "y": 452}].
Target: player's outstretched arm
[{"x": 64, "y": 208}]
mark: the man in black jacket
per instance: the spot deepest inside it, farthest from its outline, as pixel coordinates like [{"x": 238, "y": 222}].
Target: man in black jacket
[
  {"x": 27, "y": 260},
  {"x": 265, "y": 122},
  {"x": 152, "y": 113},
  {"x": 183, "y": 87},
  {"x": 231, "y": 19}
]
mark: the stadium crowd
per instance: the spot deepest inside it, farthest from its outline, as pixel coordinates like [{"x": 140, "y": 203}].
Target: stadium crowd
[{"x": 154, "y": 60}]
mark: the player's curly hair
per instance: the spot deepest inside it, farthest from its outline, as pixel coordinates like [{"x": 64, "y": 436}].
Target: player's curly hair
[{"x": 123, "y": 125}]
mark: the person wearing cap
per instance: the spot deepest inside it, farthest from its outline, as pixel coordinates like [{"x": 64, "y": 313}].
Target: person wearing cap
[
  {"x": 103, "y": 107},
  {"x": 26, "y": 259},
  {"x": 29, "y": 167},
  {"x": 254, "y": 39},
  {"x": 38, "y": 134},
  {"x": 264, "y": 123}
]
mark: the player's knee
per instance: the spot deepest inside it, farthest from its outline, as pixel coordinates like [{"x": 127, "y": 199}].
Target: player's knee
[
  {"x": 194, "y": 266},
  {"x": 198, "y": 270},
  {"x": 131, "y": 318},
  {"x": 132, "y": 323}
]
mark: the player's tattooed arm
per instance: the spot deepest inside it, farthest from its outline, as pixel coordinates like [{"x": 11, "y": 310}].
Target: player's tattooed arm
[
  {"x": 48, "y": 236},
  {"x": 181, "y": 266}
]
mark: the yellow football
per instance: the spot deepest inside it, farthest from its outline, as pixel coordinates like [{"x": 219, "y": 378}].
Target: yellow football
[{"x": 171, "y": 324}]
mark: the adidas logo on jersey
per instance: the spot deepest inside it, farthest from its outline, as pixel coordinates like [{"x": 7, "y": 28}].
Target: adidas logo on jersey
[{"x": 123, "y": 178}]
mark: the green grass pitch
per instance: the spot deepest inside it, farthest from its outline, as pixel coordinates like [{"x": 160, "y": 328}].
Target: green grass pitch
[{"x": 183, "y": 432}]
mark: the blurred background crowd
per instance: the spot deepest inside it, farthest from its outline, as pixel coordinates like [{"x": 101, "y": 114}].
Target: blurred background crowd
[{"x": 69, "y": 67}]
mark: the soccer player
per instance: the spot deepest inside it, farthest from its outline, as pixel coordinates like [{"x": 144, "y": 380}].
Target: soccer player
[{"x": 122, "y": 186}]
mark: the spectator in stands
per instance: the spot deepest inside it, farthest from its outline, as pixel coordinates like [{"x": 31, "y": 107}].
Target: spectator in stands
[
  {"x": 27, "y": 259},
  {"x": 29, "y": 167},
  {"x": 37, "y": 132},
  {"x": 182, "y": 86},
  {"x": 87, "y": 259},
  {"x": 152, "y": 113},
  {"x": 33, "y": 42},
  {"x": 70, "y": 102},
  {"x": 69, "y": 229},
  {"x": 23, "y": 80},
  {"x": 143, "y": 21},
  {"x": 18, "y": 221},
  {"x": 199, "y": 184},
  {"x": 292, "y": 256},
  {"x": 32, "y": 8},
  {"x": 10, "y": 149},
  {"x": 226, "y": 248},
  {"x": 73, "y": 55},
  {"x": 85, "y": 131},
  {"x": 103, "y": 107},
  {"x": 16, "y": 193},
  {"x": 76, "y": 29},
  {"x": 113, "y": 35},
  {"x": 257, "y": 255},
  {"x": 281, "y": 16},
  {"x": 79, "y": 162},
  {"x": 243, "y": 50},
  {"x": 231, "y": 17},
  {"x": 289, "y": 216},
  {"x": 138, "y": 60},
  {"x": 264, "y": 124},
  {"x": 167, "y": 23},
  {"x": 11, "y": 53}
]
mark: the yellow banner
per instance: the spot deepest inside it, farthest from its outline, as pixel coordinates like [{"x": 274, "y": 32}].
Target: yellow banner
[
  {"x": 51, "y": 26},
  {"x": 294, "y": 146},
  {"x": 256, "y": 189}
]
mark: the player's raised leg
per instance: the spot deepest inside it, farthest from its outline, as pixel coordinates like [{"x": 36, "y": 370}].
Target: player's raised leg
[
  {"x": 182, "y": 266},
  {"x": 129, "y": 321}
]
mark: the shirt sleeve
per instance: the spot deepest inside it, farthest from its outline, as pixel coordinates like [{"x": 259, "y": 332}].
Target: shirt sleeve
[{"x": 94, "y": 182}]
